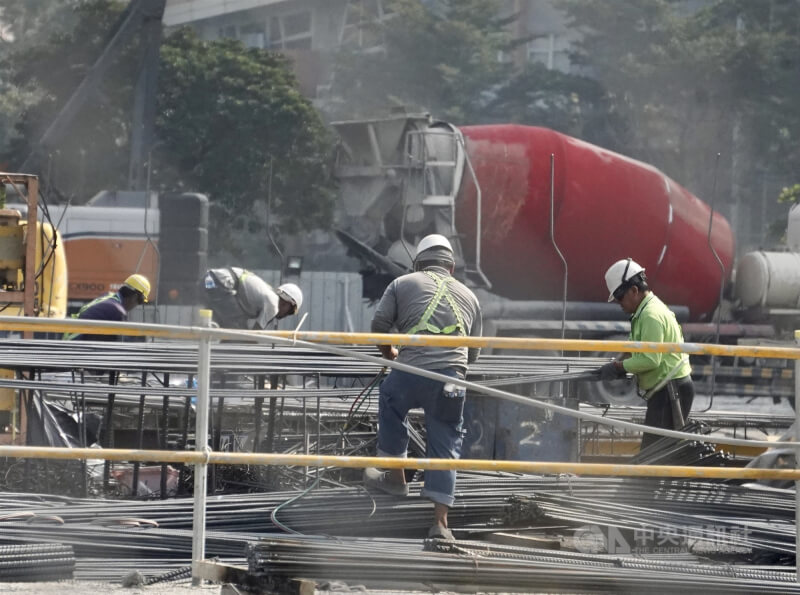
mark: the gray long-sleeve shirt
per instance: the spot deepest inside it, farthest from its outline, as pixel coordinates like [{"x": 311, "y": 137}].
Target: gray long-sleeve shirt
[
  {"x": 251, "y": 303},
  {"x": 402, "y": 306}
]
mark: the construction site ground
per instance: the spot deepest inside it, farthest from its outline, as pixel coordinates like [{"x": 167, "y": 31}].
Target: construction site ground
[
  {"x": 101, "y": 588},
  {"x": 83, "y": 587}
]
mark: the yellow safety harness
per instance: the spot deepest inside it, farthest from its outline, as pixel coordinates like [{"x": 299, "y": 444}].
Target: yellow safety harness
[
  {"x": 110, "y": 295},
  {"x": 442, "y": 291}
]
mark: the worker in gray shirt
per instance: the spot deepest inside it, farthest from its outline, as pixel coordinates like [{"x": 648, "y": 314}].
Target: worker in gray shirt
[
  {"x": 427, "y": 301},
  {"x": 240, "y": 299}
]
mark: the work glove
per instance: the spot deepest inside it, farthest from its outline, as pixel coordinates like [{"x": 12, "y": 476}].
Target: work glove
[{"x": 611, "y": 371}]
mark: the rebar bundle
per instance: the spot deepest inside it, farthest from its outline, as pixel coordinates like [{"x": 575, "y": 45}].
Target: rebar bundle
[
  {"x": 724, "y": 521},
  {"x": 672, "y": 451},
  {"x": 481, "y": 567},
  {"x": 41, "y": 562}
]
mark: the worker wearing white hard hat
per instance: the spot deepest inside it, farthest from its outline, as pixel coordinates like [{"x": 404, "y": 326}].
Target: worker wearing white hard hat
[
  {"x": 241, "y": 299},
  {"x": 432, "y": 242},
  {"x": 427, "y": 301},
  {"x": 619, "y": 275},
  {"x": 290, "y": 294},
  {"x": 664, "y": 379},
  {"x": 113, "y": 306}
]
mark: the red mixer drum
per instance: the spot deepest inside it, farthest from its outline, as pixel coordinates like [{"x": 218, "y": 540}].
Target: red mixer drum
[{"x": 606, "y": 207}]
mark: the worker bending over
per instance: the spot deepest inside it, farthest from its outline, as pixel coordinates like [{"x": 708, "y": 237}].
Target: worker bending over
[
  {"x": 240, "y": 299},
  {"x": 427, "y": 301},
  {"x": 664, "y": 378},
  {"x": 113, "y": 307}
]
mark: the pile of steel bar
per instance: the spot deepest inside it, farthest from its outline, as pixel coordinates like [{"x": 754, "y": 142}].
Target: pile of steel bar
[
  {"x": 282, "y": 399},
  {"x": 42, "y": 562},
  {"x": 248, "y": 358},
  {"x": 672, "y": 451},
  {"x": 481, "y": 567},
  {"x": 718, "y": 521}
]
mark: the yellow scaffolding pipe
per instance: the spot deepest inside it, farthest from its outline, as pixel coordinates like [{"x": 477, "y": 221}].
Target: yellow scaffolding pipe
[
  {"x": 540, "y": 344},
  {"x": 15, "y": 323},
  {"x": 245, "y": 458},
  {"x": 267, "y": 337}
]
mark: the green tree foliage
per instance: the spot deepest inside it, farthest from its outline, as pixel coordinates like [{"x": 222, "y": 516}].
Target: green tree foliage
[
  {"x": 662, "y": 76},
  {"x": 453, "y": 58},
  {"x": 437, "y": 56},
  {"x": 572, "y": 104},
  {"x": 231, "y": 123},
  {"x": 94, "y": 153},
  {"x": 691, "y": 83},
  {"x": 18, "y": 24},
  {"x": 25, "y": 52},
  {"x": 25, "y": 23},
  {"x": 234, "y": 125}
]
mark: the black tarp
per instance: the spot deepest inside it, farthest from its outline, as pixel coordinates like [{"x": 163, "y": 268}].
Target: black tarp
[{"x": 50, "y": 424}]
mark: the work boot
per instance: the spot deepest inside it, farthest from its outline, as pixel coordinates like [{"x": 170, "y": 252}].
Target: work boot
[
  {"x": 439, "y": 532},
  {"x": 380, "y": 481}
]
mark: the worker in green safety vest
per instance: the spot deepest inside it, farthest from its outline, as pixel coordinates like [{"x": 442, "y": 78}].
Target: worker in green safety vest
[
  {"x": 113, "y": 307},
  {"x": 427, "y": 301},
  {"x": 664, "y": 379}
]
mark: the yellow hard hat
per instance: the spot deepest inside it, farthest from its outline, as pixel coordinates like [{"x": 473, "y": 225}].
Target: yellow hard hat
[{"x": 138, "y": 283}]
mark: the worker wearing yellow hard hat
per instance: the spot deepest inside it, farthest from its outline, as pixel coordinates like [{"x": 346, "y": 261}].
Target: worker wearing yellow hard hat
[
  {"x": 113, "y": 306},
  {"x": 140, "y": 284}
]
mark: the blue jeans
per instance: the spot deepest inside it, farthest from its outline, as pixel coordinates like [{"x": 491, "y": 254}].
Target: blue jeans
[{"x": 444, "y": 419}]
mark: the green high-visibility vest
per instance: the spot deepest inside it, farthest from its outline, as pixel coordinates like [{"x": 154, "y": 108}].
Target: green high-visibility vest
[
  {"x": 110, "y": 295},
  {"x": 442, "y": 291}
]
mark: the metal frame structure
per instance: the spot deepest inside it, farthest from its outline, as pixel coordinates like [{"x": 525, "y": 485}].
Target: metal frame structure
[
  {"x": 27, "y": 296},
  {"x": 202, "y": 456}
]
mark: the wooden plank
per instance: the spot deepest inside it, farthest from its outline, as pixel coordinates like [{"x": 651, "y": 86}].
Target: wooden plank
[
  {"x": 220, "y": 573},
  {"x": 303, "y": 586}
]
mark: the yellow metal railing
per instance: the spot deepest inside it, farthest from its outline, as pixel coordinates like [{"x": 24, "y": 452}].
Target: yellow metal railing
[
  {"x": 246, "y": 458},
  {"x": 336, "y": 338},
  {"x": 324, "y": 340}
]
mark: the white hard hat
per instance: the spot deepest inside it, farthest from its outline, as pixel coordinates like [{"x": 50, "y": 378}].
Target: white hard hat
[
  {"x": 619, "y": 273},
  {"x": 433, "y": 240},
  {"x": 291, "y": 293}
]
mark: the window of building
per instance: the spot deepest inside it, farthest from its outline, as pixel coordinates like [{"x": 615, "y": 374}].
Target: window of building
[
  {"x": 550, "y": 50},
  {"x": 360, "y": 18},
  {"x": 227, "y": 31},
  {"x": 291, "y": 31},
  {"x": 253, "y": 35}
]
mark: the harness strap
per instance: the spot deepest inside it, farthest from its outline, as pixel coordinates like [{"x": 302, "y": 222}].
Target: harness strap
[
  {"x": 441, "y": 292},
  {"x": 110, "y": 295}
]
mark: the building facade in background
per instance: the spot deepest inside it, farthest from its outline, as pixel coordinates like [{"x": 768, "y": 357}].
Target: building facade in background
[{"x": 309, "y": 31}]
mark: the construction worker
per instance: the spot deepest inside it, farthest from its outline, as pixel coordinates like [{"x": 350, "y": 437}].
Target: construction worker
[
  {"x": 240, "y": 299},
  {"x": 664, "y": 378},
  {"x": 427, "y": 301},
  {"x": 113, "y": 306}
]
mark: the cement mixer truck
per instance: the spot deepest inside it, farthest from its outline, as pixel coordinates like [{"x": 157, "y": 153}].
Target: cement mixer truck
[{"x": 536, "y": 217}]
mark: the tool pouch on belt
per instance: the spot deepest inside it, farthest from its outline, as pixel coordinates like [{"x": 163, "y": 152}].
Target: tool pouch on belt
[{"x": 450, "y": 403}]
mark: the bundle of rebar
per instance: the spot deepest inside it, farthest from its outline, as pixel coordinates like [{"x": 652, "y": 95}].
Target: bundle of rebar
[
  {"x": 749, "y": 522},
  {"x": 248, "y": 358},
  {"x": 40, "y": 562},
  {"x": 487, "y": 567},
  {"x": 674, "y": 451}
]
